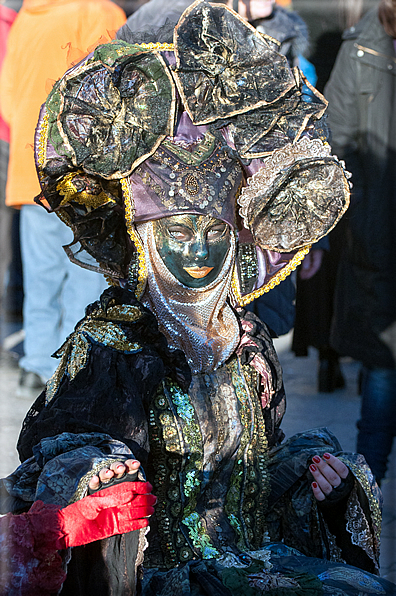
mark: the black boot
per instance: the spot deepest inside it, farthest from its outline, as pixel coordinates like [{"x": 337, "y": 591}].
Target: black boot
[{"x": 330, "y": 376}]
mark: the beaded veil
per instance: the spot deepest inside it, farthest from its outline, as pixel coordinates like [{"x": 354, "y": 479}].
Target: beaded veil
[
  {"x": 216, "y": 123},
  {"x": 196, "y": 320}
]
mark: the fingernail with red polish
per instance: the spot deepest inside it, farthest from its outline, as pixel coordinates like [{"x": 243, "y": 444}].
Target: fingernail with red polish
[
  {"x": 326, "y": 455},
  {"x": 312, "y": 468},
  {"x": 316, "y": 459},
  {"x": 314, "y": 485}
]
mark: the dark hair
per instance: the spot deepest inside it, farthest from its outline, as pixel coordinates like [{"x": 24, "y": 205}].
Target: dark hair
[{"x": 387, "y": 16}]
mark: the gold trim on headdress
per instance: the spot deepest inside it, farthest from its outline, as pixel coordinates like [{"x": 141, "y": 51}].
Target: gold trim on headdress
[
  {"x": 129, "y": 219},
  {"x": 159, "y": 47},
  {"x": 274, "y": 281},
  {"x": 42, "y": 144}
]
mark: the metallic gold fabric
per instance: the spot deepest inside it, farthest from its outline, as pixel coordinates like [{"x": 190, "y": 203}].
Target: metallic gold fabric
[
  {"x": 84, "y": 190},
  {"x": 99, "y": 327},
  {"x": 196, "y": 320}
]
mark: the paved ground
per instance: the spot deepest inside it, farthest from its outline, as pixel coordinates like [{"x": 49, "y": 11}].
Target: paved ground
[{"x": 306, "y": 409}]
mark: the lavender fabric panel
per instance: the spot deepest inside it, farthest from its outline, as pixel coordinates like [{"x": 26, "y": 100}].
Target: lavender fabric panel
[
  {"x": 269, "y": 263},
  {"x": 187, "y": 132},
  {"x": 149, "y": 205},
  {"x": 254, "y": 166}
]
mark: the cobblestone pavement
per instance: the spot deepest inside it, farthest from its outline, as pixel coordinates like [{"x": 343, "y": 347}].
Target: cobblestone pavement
[{"x": 306, "y": 408}]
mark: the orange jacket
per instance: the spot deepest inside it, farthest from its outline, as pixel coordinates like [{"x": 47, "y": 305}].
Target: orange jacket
[
  {"x": 7, "y": 17},
  {"x": 47, "y": 37}
]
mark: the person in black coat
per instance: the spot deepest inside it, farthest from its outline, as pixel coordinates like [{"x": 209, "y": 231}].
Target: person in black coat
[{"x": 362, "y": 118}]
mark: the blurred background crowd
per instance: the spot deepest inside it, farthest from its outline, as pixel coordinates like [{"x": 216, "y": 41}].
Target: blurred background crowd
[{"x": 341, "y": 302}]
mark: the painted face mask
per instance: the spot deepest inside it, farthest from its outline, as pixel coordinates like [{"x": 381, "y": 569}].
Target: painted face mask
[{"x": 192, "y": 247}]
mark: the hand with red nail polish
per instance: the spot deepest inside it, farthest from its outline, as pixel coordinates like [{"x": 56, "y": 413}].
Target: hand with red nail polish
[{"x": 328, "y": 473}]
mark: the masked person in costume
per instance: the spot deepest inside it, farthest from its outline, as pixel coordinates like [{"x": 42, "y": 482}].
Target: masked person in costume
[{"x": 195, "y": 176}]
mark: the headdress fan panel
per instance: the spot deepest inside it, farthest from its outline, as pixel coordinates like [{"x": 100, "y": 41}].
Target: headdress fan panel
[
  {"x": 113, "y": 110},
  {"x": 224, "y": 66}
]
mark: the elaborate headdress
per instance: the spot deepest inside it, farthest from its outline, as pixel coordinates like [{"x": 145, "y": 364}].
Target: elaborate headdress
[{"x": 217, "y": 123}]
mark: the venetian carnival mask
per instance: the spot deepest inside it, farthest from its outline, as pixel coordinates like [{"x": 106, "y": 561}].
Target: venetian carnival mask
[{"x": 192, "y": 247}]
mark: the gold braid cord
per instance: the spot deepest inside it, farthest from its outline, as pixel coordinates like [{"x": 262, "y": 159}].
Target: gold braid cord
[
  {"x": 274, "y": 281},
  {"x": 42, "y": 145},
  {"x": 160, "y": 47},
  {"x": 129, "y": 219}
]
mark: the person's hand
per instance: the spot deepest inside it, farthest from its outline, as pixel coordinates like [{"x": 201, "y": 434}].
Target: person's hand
[
  {"x": 311, "y": 264},
  {"x": 329, "y": 473},
  {"x": 116, "y": 473}
]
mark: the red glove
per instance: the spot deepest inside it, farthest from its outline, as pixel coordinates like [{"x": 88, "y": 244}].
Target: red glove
[
  {"x": 31, "y": 565},
  {"x": 115, "y": 510}
]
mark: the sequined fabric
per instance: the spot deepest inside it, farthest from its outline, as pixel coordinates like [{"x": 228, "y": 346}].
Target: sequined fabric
[
  {"x": 197, "y": 320},
  {"x": 209, "y": 464}
]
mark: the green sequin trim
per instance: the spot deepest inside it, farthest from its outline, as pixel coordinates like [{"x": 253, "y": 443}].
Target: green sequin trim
[
  {"x": 235, "y": 523},
  {"x": 192, "y": 471},
  {"x": 193, "y": 438},
  {"x": 191, "y": 483},
  {"x": 186, "y": 412},
  {"x": 199, "y": 537},
  {"x": 99, "y": 327}
]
